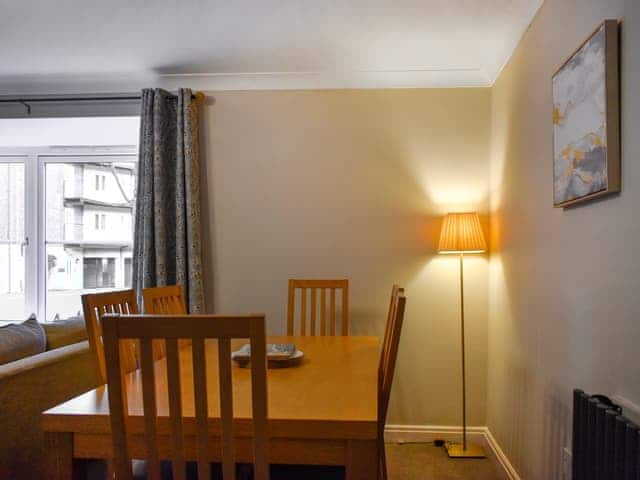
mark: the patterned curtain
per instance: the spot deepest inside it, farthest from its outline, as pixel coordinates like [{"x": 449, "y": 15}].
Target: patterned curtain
[{"x": 166, "y": 248}]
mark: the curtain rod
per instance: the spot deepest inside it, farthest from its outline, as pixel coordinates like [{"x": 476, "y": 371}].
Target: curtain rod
[
  {"x": 195, "y": 96},
  {"x": 64, "y": 99},
  {"x": 198, "y": 96}
]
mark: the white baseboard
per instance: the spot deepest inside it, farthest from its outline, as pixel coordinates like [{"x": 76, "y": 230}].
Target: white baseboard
[
  {"x": 500, "y": 457},
  {"x": 429, "y": 433}
]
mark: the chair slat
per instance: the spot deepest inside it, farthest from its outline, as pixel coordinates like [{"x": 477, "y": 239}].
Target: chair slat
[
  {"x": 290, "y": 307},
  {"x": 150, "y": 409},
  {"x": 175, "y": 409},
  {"x": 226, "y": 408},
  {"x": 312, "y": 327},
  {"x": 259, "y": 401},
  {"x": 117, "y": 400},
  {"x": 201, "y": 407},
  {"x": 345, "y": 310},
  {"x": 314, "y": 286},
  {"x": 323, "y": 311},
  {"x": 303, "y": 312},
  {"x": 332, "y": 323}
]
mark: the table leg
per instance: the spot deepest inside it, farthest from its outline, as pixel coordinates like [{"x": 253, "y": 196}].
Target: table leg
[
  {"x": 60, "y": 463},
  {"x": 362, "y": 460}
]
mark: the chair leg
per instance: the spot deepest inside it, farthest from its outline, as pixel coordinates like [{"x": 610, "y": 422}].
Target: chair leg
[{"x": 382, "y": 455}]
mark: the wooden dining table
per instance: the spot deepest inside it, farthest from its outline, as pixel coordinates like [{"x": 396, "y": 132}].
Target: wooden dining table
[{"x": 322, "y": 411}]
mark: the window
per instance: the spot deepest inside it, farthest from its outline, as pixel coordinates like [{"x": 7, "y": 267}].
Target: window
[
  {"x": 100, "y": 221},
  {"x": 99, "y": 273},
  {"x": 97, "y": 254},
  {"x": 100, "y": 182},
  {"x": 127, "y": 272},
  {"x": 12, "y": 238},
  {"x": 59, "y": 236}
]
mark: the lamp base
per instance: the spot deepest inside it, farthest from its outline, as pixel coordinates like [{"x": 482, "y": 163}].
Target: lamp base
[{"x": 455, "y": 450}]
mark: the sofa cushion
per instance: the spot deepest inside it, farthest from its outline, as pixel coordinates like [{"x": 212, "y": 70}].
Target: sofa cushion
[
  {"x": 21, "y": 340},
  {"x": 65, "y": 332}
]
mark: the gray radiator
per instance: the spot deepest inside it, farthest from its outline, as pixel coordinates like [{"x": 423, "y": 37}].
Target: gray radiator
[{"x": 606, "y": 445}]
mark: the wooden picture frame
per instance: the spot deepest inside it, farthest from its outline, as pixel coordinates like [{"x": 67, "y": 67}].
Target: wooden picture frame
[{"x": 586, "y": 120}]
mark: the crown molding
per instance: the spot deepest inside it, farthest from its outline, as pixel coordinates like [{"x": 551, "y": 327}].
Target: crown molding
[
  {"x": 311, "y": 80},
  {"x": 54, "y": 84}
]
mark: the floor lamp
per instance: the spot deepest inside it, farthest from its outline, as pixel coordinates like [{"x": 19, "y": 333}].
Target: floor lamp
[{"x": 461, "y": 233}]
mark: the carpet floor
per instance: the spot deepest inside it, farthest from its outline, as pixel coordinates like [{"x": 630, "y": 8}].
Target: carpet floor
[{"x": 420, "y": 461}]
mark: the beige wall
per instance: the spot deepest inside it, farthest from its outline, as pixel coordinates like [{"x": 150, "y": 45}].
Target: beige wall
[
  {"x": 353, "y": 183},
  {"x": 564, "y": 284}
]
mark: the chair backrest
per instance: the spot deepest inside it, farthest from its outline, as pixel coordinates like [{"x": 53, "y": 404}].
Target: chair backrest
[
  {"x": 393, "y": 305},
  {"x": 196, "y": 328},
  {"x": 94, "y": 306},
  {"x": 168, "y": 300},
  {"x": 310, "y": 288},
  {"x": 389, "y": 353},
  {"x": 164, "y": 300}
]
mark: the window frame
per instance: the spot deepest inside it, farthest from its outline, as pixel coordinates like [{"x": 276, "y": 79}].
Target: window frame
[
  {"x": 35, "y": 160},
  {"x": 30, "y": 224}
]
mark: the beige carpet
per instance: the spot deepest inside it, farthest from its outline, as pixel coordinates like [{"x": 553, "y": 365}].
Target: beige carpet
[{"x": 418, "y": 461}]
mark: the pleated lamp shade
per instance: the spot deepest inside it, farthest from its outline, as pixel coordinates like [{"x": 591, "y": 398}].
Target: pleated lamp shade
[{"x": 462, "y": 233}]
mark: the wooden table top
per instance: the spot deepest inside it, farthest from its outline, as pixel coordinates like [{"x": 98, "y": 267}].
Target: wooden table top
[{"x": 332, "y": 393}]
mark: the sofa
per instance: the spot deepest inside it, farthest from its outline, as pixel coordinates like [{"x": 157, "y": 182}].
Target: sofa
[{"x": 31, "y": 385}]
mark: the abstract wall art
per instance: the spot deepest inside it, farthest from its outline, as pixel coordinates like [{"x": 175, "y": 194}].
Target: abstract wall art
[{"x": 586, "y": 120}]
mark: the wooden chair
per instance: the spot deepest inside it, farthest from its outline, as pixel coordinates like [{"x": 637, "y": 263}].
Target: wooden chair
[
  {"x": 387, "y": 367},
  {"x": 164, "y": 300},
  {"x": 95, "y": 305},
  {"x": 313, "y": 286},
  {"x": 197, "y": 328}
]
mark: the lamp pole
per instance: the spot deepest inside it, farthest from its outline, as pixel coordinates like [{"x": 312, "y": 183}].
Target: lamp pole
[
  {"x": 464, "y": 378},
  {"x": 466, "y": 450}
]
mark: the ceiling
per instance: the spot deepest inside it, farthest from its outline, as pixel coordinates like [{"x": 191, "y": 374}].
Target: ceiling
[{"x": 119, "y": 45}]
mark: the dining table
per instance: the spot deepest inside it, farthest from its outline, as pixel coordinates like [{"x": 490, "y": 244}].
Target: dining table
[{"x": 322, "y": 410}]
